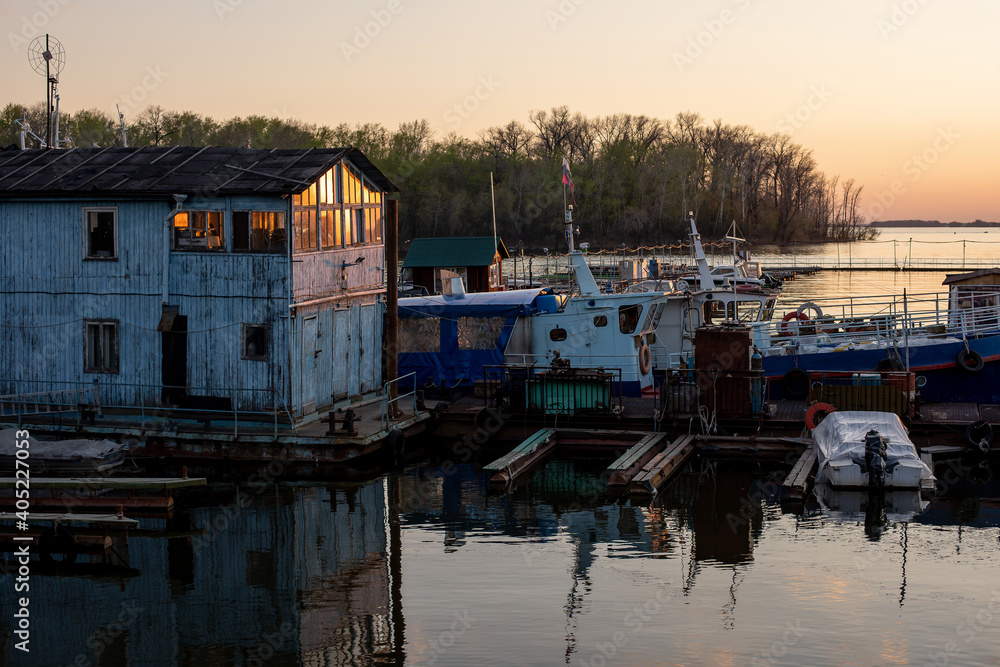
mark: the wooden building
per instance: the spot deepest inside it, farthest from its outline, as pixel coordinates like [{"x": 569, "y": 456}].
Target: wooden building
[
  {"x": 478, "y": 260},
  {"x": 209, "y": 277}
]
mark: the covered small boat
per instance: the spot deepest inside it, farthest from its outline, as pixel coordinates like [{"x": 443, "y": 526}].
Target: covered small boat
[{"x": 868, "y": 450}]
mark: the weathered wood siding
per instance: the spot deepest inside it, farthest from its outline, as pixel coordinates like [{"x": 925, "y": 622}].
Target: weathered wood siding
[
  {"x": 328, "y": 272},
  {"x": 348, "y": 350},
  {"x": 48, "y": 289}
]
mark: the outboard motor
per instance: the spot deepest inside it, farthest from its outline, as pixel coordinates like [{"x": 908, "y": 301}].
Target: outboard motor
[{"x": 875, "y": 460}]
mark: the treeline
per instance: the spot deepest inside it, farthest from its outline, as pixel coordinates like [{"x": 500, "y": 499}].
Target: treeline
[
  {"x": 934, "y": 223},
  {"x": 636, "y": 177}
]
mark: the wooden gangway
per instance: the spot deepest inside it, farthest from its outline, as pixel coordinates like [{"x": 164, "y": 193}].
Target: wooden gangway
[
  {"x": 521, "y": 458},
  {"x": 796, "y": 485},
  {"x": 629, "y": 464},
  {"x": 662, "y": 467}
]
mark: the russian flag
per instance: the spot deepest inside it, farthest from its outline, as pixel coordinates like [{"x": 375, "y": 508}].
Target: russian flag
[{"x": 567, "y": 176}]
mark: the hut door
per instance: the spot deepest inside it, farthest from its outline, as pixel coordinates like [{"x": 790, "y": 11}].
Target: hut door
[
  {"x": 310, "y": 350},
  {"x": 174, "y": 363},
  {"x": 371, "y": 351},
  {"x": 341, "y": 352}
]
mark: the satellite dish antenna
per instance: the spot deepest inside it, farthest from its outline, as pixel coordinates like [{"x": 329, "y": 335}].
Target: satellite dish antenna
[{"x": 47, "y": 57}]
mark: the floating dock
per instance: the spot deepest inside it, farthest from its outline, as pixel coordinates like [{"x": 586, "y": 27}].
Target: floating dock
[{"x": 80, "y": 493}]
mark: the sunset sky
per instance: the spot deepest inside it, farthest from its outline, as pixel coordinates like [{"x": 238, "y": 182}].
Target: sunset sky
[{"x": 900, "y": 95}]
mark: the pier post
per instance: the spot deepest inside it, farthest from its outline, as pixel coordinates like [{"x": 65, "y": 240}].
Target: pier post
[{"x": 391, "y": 294}]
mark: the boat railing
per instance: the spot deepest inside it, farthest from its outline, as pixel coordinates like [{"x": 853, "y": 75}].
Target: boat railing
[
  {"x": 553, "y": 391},
  {"x": 889, "y": 325},
  {"x": 391, "y": 399},
  {"x": 165, "y": 405},
  {"x": 595, "y": 360}
]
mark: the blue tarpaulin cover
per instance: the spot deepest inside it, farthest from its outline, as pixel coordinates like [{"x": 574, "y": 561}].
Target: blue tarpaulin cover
[{"x": 452, "y": 366}]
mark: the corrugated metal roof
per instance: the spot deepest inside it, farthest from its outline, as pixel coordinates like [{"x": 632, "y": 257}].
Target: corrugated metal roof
[
  {"x": 952, "y": 279},
  {"x": 454, "y": 251},
  {"x": 210, "y": 171}
]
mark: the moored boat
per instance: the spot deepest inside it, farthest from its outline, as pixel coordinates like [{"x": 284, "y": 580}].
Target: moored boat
[
  {"x": 950, "y": 341},
  {"x": 872, "y": 450}
]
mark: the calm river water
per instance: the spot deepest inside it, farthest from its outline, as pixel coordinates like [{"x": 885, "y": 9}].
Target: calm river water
[{"x": 425, "y": 566}]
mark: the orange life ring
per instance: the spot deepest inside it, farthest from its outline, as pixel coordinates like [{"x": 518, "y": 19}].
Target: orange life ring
[
  {"x": 793, "y": 315},
  {"x": 645, "y": 359},
  {"x": 816, "y": 413}
]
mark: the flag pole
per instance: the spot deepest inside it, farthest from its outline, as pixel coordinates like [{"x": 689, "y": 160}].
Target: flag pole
[{"x": 496, "y": 246}]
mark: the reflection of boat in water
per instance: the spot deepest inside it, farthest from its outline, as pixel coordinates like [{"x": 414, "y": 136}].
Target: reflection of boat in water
[
  {"x": 868, "y": 450},
  {"x": 853, "y": 504},
  {"x": 70, "y": 456}
]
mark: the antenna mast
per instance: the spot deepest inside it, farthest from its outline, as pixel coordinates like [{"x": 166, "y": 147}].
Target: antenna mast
[
  {"x": 121, "y": 122},
  {"x": 47, "y": 57}
]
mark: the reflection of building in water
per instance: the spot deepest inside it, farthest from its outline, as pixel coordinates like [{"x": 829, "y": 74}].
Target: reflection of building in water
[{"x": 305, "y": 576}]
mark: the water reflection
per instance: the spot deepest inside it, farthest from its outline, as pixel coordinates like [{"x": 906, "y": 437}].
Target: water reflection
[
  {"x": 285, "y": 577},
  {"x": 428, "y": 565}
]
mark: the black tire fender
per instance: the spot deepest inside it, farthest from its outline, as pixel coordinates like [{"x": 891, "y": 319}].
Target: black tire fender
[
  {"x": 970, "y": 360},
  {"x": 796, "y": 383}
]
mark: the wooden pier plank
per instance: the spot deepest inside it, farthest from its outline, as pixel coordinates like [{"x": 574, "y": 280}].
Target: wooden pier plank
[
  {"x": 627, "y": 459},
  {"x": 661, "y": 467},
  {"x": 524, "y": 456},
  {"x": 530, "y": 444},
  {"x": 796, "y": 485},
  {"x": 108, "y": 483},
  {"x": 100, "y": 519},
  {"x": 631, "y": 462}
]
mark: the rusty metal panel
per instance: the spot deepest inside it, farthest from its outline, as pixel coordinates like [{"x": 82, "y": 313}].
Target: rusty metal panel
[{"x": 722, "y": 347}]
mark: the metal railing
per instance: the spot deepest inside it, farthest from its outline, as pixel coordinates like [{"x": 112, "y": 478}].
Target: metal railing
[
  {"x": 553, "y": 391},
  {"x": 390, "y": 414},
  {"x": 148, "y": 404},
  {"x": 871, "y": 392},
  {"x": 885, "y": 320},
  {"x": 877, "y": 263},
  {"x": 726, "y": 394}
]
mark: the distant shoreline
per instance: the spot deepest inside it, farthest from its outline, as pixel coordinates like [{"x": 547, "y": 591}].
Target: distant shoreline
[{"x": 933, "y": 223}]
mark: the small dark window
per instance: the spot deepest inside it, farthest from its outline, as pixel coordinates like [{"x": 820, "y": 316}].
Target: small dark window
[
  {"x": 101, "y": 226},
  {"x": 258, "y": 231},
  {"x": 601, "y": 321},
  {"x": 241, "y": 230},
  {"x": 628, "y": 318},
  {"x": 101, "y": 351},
  {"x": 557, "y": 335},
  {"x": 255, "y": 341}
]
